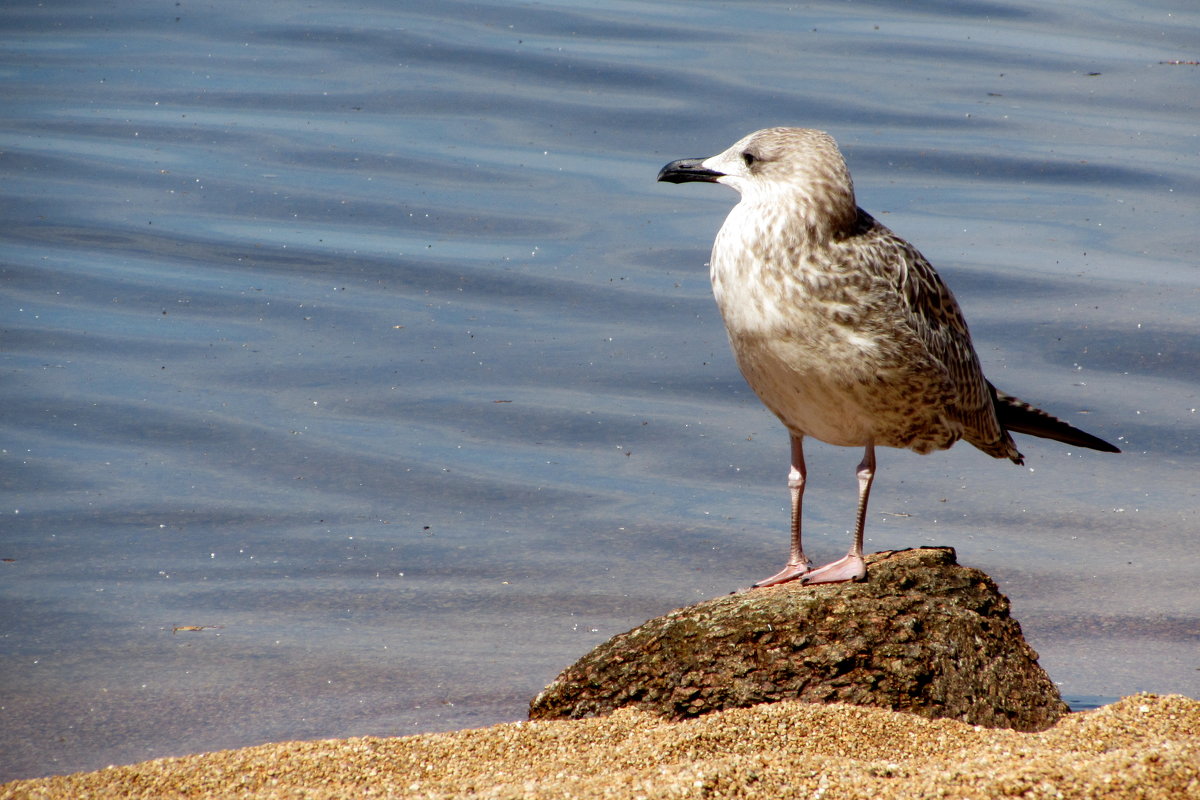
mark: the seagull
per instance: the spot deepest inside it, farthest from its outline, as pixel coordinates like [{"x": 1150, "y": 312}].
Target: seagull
[{"x": 842, "y": 328}]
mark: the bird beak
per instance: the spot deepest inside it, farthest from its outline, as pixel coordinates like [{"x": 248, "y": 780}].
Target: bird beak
[{"x": 686, "y": 170}]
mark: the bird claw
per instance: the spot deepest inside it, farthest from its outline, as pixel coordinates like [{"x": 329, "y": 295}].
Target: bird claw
[
  {"x": 793, "y": 571},
  {"x": 846, "y": 568}
]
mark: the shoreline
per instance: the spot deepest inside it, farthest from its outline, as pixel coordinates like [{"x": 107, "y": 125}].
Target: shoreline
[{"x": 1142, "y": 746}]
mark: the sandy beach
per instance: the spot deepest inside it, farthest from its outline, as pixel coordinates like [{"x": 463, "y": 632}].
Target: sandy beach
[{"x": 1143, "y": 746}]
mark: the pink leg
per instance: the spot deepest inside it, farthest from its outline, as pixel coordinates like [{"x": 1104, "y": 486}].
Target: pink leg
[
  {"x": 798, "y": 564},
  {"x": 851, "y": 566}
]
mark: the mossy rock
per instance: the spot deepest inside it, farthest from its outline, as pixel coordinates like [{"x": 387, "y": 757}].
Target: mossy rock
[{"x": 922, "y": 634}]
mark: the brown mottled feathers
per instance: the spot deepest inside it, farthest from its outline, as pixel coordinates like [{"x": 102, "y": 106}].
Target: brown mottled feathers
[
  {"x": 987, "y": 415},
  {"x": 843, "y": 328},
  {"x": 934, "y": 316}
]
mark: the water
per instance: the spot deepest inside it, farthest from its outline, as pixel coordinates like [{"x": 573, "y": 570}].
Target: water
[{"x": 358, "y": 377}]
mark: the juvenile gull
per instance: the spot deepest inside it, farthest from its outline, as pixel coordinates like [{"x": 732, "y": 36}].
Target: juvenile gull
[{"x": 843, "y": 330}]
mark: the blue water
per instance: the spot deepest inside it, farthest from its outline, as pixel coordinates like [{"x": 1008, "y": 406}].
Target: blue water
[{"x": 357, "y": 376}]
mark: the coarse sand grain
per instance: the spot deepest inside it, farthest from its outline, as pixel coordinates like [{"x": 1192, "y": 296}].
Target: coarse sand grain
[{"x": 1144, "y": 746}]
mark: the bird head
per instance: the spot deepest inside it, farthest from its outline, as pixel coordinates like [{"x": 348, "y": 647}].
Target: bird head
[{"x": 786, "y": 168}]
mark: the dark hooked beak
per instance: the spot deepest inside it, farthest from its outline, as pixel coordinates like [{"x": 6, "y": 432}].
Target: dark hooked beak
[{"x": 686, "y": 170}]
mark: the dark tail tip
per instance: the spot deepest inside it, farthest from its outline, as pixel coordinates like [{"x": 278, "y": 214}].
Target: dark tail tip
[{"x": 1020, "y": 417}]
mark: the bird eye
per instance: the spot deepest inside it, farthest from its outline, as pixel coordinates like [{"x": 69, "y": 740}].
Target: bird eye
[{"x": 749, "y": 158}]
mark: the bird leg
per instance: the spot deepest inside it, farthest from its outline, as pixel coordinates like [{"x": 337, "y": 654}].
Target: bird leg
[
  {"x": 798, "y": 564},
  {"x": 851, "y": 566}
]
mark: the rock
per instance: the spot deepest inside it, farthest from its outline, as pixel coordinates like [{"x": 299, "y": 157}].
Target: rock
[{"x": 922, "y": 634}]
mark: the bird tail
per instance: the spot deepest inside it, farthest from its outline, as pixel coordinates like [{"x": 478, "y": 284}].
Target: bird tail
[{"x": 1017, "y": 415}]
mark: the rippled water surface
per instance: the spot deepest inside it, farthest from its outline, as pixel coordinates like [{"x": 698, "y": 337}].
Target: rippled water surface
[{"x": 358, "y": 376}]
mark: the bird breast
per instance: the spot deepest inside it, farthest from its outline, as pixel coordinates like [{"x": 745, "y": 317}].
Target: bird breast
[{"x": 801, "y": 329}]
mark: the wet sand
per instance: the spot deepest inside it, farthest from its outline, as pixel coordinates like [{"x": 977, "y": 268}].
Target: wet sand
[{"x": 1143, "y": 746}]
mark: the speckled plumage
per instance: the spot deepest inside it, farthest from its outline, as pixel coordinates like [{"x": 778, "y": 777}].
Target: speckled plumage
[{"x": 842, "y": 328}]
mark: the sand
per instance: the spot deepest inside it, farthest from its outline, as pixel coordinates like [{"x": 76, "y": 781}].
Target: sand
[{"x": 1144, "y": 746}]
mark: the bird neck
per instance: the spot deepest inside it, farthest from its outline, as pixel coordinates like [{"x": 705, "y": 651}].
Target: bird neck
[{"x": 818, "y": 214}]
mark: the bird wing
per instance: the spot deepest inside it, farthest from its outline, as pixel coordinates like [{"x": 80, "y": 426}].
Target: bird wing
[{"x": 933, "y": 315}]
